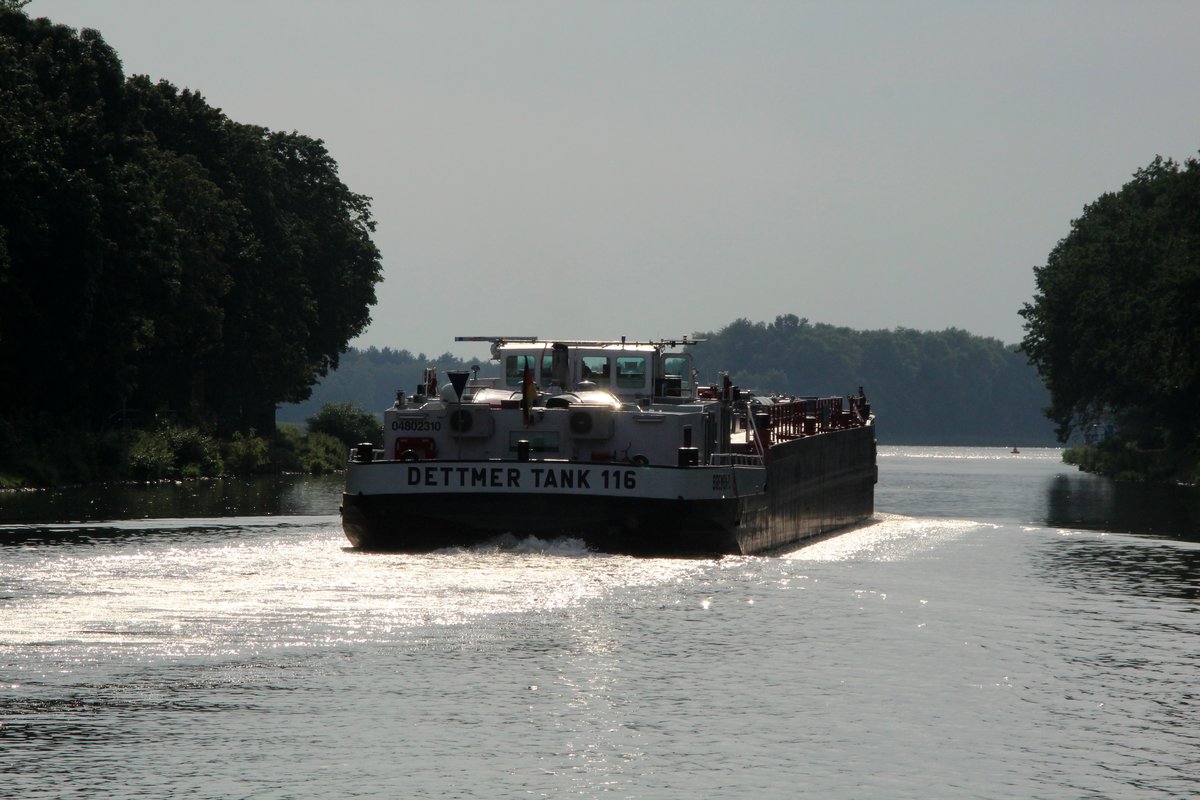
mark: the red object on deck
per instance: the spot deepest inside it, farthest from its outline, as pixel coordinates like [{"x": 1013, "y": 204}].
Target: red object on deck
[{"x": 423, "y": 446}]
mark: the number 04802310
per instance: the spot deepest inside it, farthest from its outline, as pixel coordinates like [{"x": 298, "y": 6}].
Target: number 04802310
[{"x": 415, "y": 425}]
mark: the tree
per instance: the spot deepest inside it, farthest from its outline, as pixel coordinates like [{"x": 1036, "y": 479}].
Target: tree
[
  {"x": 927, "y": 387},
  {"x": 71, "y": 167},
  {"x": 293, "y": 277},
  {"x": 156, "y": 256},
  {"x": 1114, "y": 328},
  {"x": 348, "y": 423}
]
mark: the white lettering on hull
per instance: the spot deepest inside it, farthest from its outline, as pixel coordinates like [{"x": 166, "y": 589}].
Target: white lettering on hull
[
  {"x": 537, "y": 477},
  {"x": 463, "y": 477}
]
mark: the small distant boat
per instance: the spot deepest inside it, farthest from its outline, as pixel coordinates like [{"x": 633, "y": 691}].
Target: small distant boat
[
  {"x": 1015, "y": 450},
  {"x": 615, "y": 443}
]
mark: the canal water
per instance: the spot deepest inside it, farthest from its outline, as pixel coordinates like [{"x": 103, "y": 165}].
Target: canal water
[{"x": 1005, "y": 628}]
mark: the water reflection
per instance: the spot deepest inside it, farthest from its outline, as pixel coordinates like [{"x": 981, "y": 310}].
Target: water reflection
[
  {"x": 1092, "y": 503},
  {"x": 161, "y": 530},
  {"x": 1121, "y": 567}
]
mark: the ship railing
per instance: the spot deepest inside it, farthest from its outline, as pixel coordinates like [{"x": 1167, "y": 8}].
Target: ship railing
[
  {"x": 758, "y": 430},
  {"x": 735, "y": 460},
  {"x": 359, "y": 452},
  {"x": 794, "y": 419}
]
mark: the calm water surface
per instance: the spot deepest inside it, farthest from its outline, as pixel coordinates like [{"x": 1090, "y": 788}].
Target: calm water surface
[{"x": 1005, "y": 628}]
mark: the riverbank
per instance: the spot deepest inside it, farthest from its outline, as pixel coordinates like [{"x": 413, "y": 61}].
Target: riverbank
[
  {"x": 40, "y": 453},
  {"x": 43, "y": 460},
  {"x": 1124, "y": 461}
]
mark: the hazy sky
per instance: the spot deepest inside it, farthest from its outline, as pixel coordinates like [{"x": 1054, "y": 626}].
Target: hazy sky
[{"x": 649, "y": 169}]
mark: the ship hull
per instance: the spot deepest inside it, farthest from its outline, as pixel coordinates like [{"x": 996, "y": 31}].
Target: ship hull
[
  {"x": 638, "y": 526},
  {"x": 809, "y": 487}
]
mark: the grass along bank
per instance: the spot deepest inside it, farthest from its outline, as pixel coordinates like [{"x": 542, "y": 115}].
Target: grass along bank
[{"x": 39, "y": 453}]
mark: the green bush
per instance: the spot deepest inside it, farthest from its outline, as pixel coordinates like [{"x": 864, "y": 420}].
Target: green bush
[
  {"x": 322, "y": 453},
  {"x": 247, "y": 454},
  {"x": 150, "y": 459},
  {"x": 289, "y": 450},
  {"x": 40, "y": 453},
  {"x": 174, "y": 452},
  {"x": 196, "y": 453},
  {"x": 285, "y": 449},
  {"x": 1125, "y": 461},
  {"x": 348, "y": 423}
]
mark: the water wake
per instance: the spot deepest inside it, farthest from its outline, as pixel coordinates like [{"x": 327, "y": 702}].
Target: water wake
[
  {"x": 890, "y": 537},
  {"x": 565, "y": 546}
]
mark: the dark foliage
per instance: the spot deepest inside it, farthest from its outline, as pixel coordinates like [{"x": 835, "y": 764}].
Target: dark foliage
[
  {"x": 926, "y": 387},
  {"x": 157, "y": 259},
  {"x": 370, "y": 379},
  {"x": 348, "y": 423},
  {"x": 1114, "y": 328}
]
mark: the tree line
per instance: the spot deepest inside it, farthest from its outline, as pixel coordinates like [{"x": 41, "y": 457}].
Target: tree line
[
  {"x": 368, "y": 379},
  {"x": 1114, "y": 328},
  {"x": 157, "y": 257},
  {"x": 946, "y": 387}
]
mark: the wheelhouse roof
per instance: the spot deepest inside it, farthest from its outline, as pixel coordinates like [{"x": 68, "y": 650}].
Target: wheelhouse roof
[{"x": 532, "y": 342}]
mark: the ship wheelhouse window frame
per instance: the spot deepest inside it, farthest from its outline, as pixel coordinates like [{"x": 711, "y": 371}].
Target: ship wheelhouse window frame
[
  {"x": 679, "y": 364},
  {"x": 631, "y": 372},
  {"x": 515, "y": 366},
  {"x": 596, "y": 368}
]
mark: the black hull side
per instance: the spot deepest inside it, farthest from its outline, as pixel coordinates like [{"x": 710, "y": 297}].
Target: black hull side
[
  {"x": 637, "y": 526},
  {"x": 815, "y": 486}
]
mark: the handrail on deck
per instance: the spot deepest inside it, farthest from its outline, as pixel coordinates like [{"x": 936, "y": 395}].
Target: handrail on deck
[
  {"x": 734, "y": 460},
  {"x": 794, "y": 419}
]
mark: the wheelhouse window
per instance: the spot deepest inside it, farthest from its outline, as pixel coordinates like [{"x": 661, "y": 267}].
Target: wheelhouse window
[
  {"x": 631, "y": 372},
  {"x": 514, "y": 369},
  {"x": 596, "y": 370},
  {"x": 681, "y": 367}
]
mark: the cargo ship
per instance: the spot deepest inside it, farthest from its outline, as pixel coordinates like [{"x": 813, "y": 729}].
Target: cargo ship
[{"x": 616, "y": 443}]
